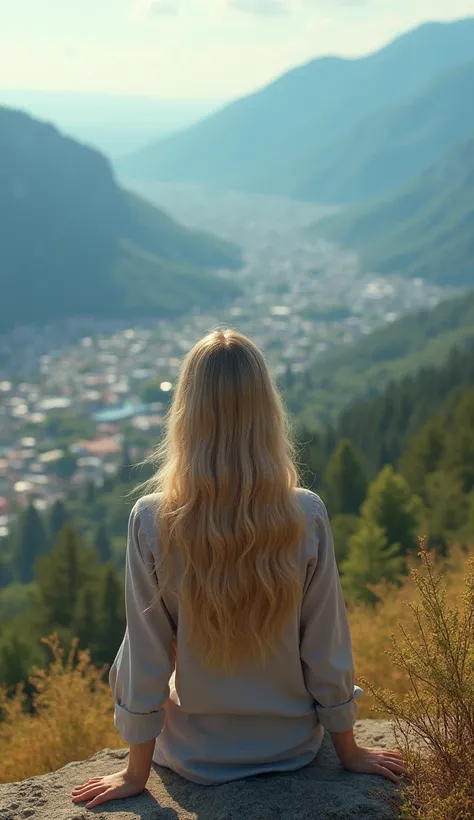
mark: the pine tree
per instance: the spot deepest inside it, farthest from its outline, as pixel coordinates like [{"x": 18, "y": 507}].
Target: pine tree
[
  {"x": 423, "y": 454},
  {"x": 447, "y": 509},
  {"x": 102, "y": 544},
  {"x": 16, "y": 657},
  {"x": 459, "y": 444},
  {"x": 345, "y": 481},
  {"x": 343, "y": 528},
  {"x": 392, "y": 507},
  {"x": 31, "y": 543},
  {"x": 85, "y": 624},
  {"x": 110, "y": 615},
  {"x": 58, "y": 518},
  {"x": 60, "y": 576},
  {"x": 370, "y": 560}
]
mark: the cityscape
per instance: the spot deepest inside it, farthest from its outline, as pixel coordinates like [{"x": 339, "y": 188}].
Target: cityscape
[{"x": 301, "y": 299}]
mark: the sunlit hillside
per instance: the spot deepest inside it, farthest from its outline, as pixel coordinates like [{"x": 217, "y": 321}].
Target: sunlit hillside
[{"x": 414, "y": 651}]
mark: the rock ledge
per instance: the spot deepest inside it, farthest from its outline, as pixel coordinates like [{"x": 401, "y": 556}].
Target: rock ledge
[{"x": 321, "y": 791}]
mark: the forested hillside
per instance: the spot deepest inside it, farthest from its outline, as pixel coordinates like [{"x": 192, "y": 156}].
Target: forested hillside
[
  {"x": 394, "y": 467},
  {"x": 386, "y": 115},
  {"x": 402, "y": 460},
  {"x": 425, "y": 229},
  {"x": 400, "y": 348},
  {"x": 384, "y": 150},
  {"x": 72, "y": 242}
]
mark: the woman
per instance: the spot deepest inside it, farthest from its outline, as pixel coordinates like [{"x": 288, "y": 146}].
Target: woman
[{"x": 237, "y": 653}]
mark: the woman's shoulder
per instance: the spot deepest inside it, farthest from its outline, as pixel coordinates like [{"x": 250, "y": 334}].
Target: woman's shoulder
[
  {"x": 311, "y": 503},
  {"x": 146, "y": 509},
  {"x": 317, "y": 523}
]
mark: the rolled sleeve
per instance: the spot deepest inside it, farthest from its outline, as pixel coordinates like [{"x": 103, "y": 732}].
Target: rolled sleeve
[
  {"x": 137, "y": 728},
  {"x": 139, "y": 677},
  {"x": 326, "y": 648},
  {"x": 340, "y": 718}
]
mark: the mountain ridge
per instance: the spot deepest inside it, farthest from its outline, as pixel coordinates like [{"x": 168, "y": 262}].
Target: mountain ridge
[
  {"x": 386, "y": 149},
  {"x": 258, "y": 142},
  {"x": 425, "y": 229},
  {"x": 62, "y": 235}
]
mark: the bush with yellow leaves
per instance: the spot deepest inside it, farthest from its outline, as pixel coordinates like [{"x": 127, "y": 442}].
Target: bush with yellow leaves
[
  {"x": 434, "y": 717},
  {"x": 429, "y": 669},
  {"x": 372, "y": 627},
  {"x": 72, "y": 717}
]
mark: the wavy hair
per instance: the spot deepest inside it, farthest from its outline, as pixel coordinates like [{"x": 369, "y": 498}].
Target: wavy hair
[{"x": 228, "y": 509}]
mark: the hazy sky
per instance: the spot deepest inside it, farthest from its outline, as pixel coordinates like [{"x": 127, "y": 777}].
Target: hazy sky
[{"x": 191, "y": 48}]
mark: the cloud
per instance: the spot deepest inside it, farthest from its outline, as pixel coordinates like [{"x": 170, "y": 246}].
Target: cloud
[
  {"x": 259, "y": 6},
  {"x": 270, "y": 7},
  {"x": 151, "y": 8}
]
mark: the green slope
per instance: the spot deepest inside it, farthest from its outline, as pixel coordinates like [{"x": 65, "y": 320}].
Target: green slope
[
  {"x": 415, "y": 341},
  {"x": 270, "y": 140},
  {"x": 154, "y": 230},
  {"x": 73, "y": 243},
  {"x": 426, "y": 229},
  {"x": 386, "y": 149},
  {"x": 382, "y": 425}
]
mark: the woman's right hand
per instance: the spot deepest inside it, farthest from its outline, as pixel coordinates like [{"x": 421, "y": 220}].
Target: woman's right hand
[{"x": 386, "y": 762}]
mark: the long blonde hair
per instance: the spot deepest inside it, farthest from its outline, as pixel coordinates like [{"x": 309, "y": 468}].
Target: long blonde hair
[{"x": 228, "y": 507}]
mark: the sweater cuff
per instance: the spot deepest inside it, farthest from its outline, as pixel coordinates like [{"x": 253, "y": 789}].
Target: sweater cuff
[
  {"x": 340, "y": 718},
  {"x": 138, "y": 728}
]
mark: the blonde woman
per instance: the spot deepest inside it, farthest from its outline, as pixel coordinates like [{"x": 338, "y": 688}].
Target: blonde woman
[{"x": 237, "y": 653}]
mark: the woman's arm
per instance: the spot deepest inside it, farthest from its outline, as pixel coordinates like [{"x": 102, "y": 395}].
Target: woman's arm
[
  {"x": 139, "y": 677},
  {"x": 366, "y": 760},
  {"x": 139, "y": 761},
  {"x": 326, "y": 656},
  {"x": 325, "y": 643}
]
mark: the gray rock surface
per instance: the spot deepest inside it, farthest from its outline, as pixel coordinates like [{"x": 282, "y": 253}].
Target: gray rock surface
[{"x": 321, "y": 791}]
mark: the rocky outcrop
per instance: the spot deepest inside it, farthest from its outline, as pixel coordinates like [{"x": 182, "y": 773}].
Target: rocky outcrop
[{"x": 321, "y": 791}]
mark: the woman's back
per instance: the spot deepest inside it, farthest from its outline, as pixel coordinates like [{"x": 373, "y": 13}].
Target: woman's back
[
  {"x": 262, "y": 716},
  {"x": 237, "y": 651}
]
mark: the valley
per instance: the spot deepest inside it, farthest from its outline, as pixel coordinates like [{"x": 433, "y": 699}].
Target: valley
[
  {"x": 301, "y": 299},
  {"x": 328, "y": 214}
]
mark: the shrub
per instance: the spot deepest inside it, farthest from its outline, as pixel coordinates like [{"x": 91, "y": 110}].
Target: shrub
[
  {"x": 372, "y": 626},
  {"x": 434, "y": 718},
  {"x": 72, "y": 717}
]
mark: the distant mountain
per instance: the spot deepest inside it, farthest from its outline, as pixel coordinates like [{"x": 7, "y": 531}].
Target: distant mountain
[
  {"x": 387, "y": 148},
  {"x": 113, "y": 123},
  {"x": 72, "y": 242},
  {"x": 392, "y": 352},
  {"x": 425, "y": 229},
  {"x": 272, "y": 141}
]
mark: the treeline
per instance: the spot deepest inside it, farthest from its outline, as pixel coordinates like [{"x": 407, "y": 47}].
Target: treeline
[
  {"x": 55, "y": 581},
  {"x": 99, "y": 515},
  {"x": 383, "y": 426},
  {"x": 62, "y": 571},
  {"x": 395, "y": 467},
  {"x": 356, "y": 373}
]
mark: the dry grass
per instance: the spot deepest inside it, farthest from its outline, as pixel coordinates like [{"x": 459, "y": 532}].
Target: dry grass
[
  {"x": 423, "y": 679},
  {"x": 434, "y": 718},
  {"x": 73, "y": 717},
  {"x": 372, "y": 627}
]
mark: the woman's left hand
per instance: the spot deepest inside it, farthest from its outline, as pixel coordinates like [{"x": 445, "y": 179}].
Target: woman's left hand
[{"x": 111, "y": 787}]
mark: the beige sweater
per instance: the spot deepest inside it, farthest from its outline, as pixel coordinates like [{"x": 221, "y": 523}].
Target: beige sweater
[{"x": 213, "y": 728}]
